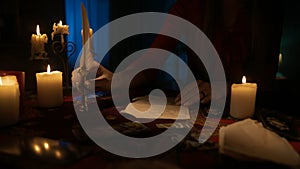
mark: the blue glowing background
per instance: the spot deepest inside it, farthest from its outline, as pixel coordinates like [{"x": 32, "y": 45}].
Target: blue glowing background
[{"x": 98, "y": 14}]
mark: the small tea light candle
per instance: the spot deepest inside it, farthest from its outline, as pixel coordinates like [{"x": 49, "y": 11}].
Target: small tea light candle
[
  {"x": 38, "y": 41},
  {"x": 49, "y": 88},
  {"x": 9, "y": 100},
  {"x": 243, "y": 97}
]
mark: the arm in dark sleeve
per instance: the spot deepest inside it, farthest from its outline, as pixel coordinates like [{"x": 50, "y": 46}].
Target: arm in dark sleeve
[{"x": 161, "y": 42}]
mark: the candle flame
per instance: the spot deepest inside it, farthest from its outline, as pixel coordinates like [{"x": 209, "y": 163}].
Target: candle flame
[
  {"x": 60, "y": 23},
  {"x": 244, "y": 79},
  {"x": 38, "y": 30},
  {"x": 48, "y": 69},
  {"x": 37, "y": 149},
  {"x": 58, "y": 154},
  {"x": 0, "y": 80},
  {"x": 280, "y": 59},
  {"x": 46, "y": 146}
]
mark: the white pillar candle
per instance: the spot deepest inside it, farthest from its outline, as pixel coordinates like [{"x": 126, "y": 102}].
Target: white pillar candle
[
  {"x": 49, "y": 88},
  {"x": 9, "y": 100},
  {"x": 243, "y": 98},
  {"x": 38, "y": 41}
]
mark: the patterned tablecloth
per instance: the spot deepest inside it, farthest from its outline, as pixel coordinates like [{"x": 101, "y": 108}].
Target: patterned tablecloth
[{"x": 61, "y": 125}]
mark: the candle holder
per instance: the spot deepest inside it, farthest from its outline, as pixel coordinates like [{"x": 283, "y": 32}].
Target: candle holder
[
  {"x": 59, "y": 49},
  {"x": 63, "y": 50}
]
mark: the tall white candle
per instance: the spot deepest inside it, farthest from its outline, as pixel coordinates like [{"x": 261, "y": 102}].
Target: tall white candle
[
  {"x": 9, "y": 100},
  {"x": 243, "y": 98},
  {"x": 49, "y": 88}
]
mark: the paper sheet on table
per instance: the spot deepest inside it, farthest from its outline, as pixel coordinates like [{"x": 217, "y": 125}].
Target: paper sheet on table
[
  {"x": 251, "y": 139},
  {"x": 140, "y": 108}
]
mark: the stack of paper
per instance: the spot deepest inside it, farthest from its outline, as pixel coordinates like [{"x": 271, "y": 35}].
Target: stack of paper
[{"x": 142, "y": 108}]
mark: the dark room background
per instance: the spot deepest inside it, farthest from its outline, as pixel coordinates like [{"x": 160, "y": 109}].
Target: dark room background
[{"x": 18, "y": 20}]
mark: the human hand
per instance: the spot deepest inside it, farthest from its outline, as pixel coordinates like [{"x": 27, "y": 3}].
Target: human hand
[
  {"x": 190, "y": 97},
  {"x": 103, "y": 79},
  {"x": 89, "y": 73}
]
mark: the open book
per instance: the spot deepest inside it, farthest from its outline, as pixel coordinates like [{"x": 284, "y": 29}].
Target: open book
[{"x": 142, "y": 108}]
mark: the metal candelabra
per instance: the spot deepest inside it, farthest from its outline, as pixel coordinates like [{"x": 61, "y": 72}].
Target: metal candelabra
[
  {"x": 63, "y": 50},
  {"x": 59, "y": 48}
]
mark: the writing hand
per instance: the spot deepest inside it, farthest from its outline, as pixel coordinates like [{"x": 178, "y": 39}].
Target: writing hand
[{"x": 190, "y": 97}]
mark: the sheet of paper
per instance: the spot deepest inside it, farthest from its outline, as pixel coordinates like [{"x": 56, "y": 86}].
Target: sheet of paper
[{"x": 140, "y": 108}]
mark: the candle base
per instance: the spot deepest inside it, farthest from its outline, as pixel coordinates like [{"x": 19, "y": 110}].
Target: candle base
[
  {"x": 241, "y": 116},
  {"x": 242, "y": 100},
  {"x": 242, "y": 110},
  {"x": 46, "y": 110},
  {"x": 49, "y": 89},
  {"x": 39, "y": 55},
  {"x": 49, "y": 106}
]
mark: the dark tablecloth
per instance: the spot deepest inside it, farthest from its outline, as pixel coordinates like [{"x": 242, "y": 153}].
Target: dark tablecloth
[{"x": 61, "y": 124}]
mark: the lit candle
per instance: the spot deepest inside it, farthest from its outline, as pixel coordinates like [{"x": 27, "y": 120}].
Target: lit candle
[
  {"x": 49, "y": 88},
  {"x": 243, "y": 97},
  {"x": 9, "y": 100},
  {"x": 279, "y": 59},
  {"x": 20, "y": 75},
  {"x": 59, "y": 28},
  {"x": 38, "y": 43}
]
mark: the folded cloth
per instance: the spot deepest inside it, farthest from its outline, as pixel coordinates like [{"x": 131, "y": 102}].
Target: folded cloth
[{"x": 250, "y": 139}]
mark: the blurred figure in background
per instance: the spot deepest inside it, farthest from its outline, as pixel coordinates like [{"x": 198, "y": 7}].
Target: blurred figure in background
[{"x": 245, "y": 33}]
